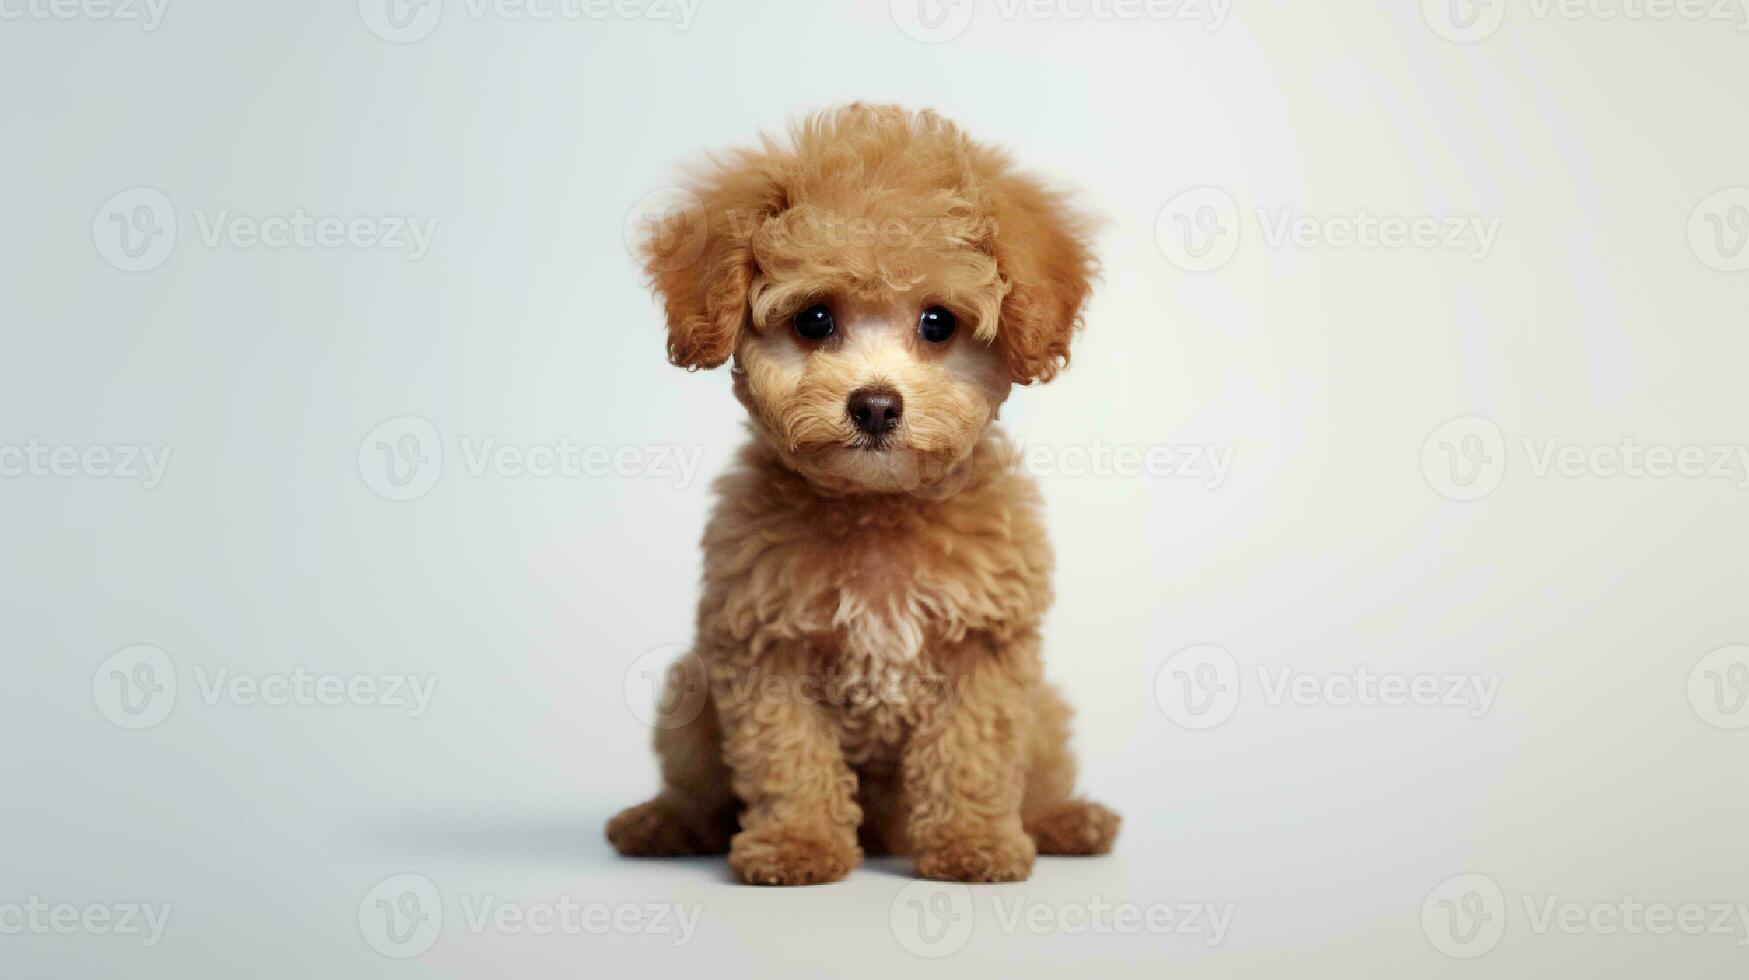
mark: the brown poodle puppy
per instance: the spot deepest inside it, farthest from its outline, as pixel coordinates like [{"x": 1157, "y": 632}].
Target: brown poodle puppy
[{"x": 867, "y": 670}]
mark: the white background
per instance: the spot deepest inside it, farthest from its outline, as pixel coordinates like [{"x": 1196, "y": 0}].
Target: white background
[{"x": 1324, "y": 829}]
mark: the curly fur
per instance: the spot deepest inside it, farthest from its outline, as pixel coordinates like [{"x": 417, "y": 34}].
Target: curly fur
[{"x": 869, "y": 625}]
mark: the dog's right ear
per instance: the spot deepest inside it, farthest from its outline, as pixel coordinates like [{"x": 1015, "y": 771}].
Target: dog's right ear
[{"x": 698, "y": 255}]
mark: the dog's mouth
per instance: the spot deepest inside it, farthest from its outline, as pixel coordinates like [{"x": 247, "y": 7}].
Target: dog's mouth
[{"x": 884, "y": 442}]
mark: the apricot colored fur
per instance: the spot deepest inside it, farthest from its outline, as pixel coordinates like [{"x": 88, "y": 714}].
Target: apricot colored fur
[{"x": 868, "y": 636}]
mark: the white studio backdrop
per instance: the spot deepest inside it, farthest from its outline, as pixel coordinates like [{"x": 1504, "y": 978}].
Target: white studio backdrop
[{"x": 348, "y": 503}]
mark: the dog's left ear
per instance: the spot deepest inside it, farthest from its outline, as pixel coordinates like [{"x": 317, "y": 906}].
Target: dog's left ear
[{"x": 1044, "y": 252}]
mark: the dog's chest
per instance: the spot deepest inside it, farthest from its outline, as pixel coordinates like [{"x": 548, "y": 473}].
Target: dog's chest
[
  {"x": 871, "y": 599},
  {"x": 879, "y": 620}
]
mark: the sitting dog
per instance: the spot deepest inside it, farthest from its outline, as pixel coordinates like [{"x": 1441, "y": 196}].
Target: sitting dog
[{"x": 867, "y": 669}]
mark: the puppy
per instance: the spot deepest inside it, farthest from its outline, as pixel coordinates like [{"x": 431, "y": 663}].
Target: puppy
[{"x": 866, "y": 675}]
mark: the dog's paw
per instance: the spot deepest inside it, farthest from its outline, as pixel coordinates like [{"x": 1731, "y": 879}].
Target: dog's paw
[
  {"x": 658, "y": 829},
  {"x": 981, "y": 856},
  {"x": 787, "y": 856},
  {"x": 1073, "y": 827}
]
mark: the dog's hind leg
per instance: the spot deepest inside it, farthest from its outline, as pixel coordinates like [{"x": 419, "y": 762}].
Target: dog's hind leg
[
  {"x": 1056, "y": 820},
  {"x": 695, "y": 811}
]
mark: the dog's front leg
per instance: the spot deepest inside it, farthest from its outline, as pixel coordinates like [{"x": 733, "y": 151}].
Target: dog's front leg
[
  {"x": 798, "y": 825},
  {"x": 964, "y": 772}
]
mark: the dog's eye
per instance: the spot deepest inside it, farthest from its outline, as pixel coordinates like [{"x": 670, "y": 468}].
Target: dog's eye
[
  {"x": 936, "y": 325},
  {"x": 815, "y": 322}
]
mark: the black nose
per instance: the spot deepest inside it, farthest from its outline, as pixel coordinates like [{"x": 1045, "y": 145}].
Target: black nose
[{"x": 875, "y": 410}]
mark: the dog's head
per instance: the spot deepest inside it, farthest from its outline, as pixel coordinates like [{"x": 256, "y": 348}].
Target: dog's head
[{"x": 880, "y": 282}]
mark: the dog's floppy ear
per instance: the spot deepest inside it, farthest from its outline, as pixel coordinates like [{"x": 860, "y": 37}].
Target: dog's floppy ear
[
  {"x": 1044, "y": 252},
  {"x": 699, "y": 259}
]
